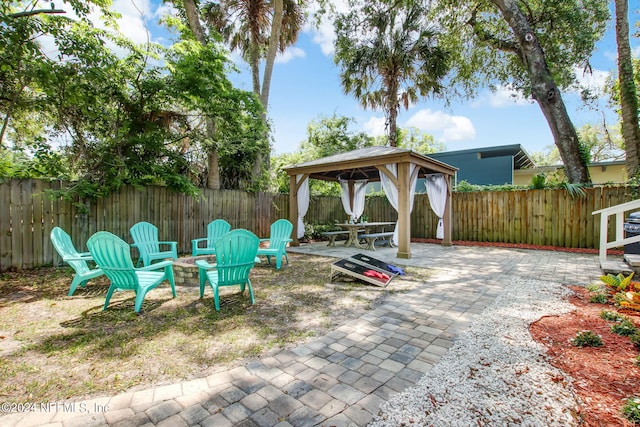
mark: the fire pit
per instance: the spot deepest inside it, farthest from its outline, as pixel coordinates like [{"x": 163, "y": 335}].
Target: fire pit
[{"x": 185, "y": 270}]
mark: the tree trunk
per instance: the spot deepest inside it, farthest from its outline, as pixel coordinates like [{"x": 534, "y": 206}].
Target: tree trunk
[
  {"x": 213, "y": 173},
  {"x": 213, "y": 179},
  {"x": 274, "y": 43},
  {"x": 393, "y": 126},
  {"x": 263, "y": 92},
  {"x": 546, "y": 93},
  {"x": 627, "y": 87},
  {"x": 253, "y": 15}
]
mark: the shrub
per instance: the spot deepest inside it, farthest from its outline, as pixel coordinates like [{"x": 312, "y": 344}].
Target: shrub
[
  {"x": 599, "y": 294},
  {"x": 631, "y": 409},
  {"x": 587, "y": 339},
  {"x": 635, "y": 340},
  {"x": 617, "y": 283},
  {"x": 599, "y": 298},
  {"x": 594, "y": 287},
  {"x": 314, "y": 231},
  {"x": 611, "y": 316},
  {"x": 625, "y": 328}
]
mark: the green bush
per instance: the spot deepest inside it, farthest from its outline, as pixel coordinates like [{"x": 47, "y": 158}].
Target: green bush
[
  {"x": 635, "y": 340},
  {"x": 625, "y": 328},
  {"x": 587, "y": 339},
  {"x": 538, "y": 182},
  {"x": 594, "y": 287},
  {"x": 611, "y": 316},
  {"x": 599, "y": 298},
  {"x": 631, "y": 409},
  {"x": 314, "y": 231}
]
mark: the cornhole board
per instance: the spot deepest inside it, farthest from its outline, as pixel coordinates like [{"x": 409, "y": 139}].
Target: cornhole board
[
  {"x": 366, "y": 259},
  {"x": 356, "y": 268}
]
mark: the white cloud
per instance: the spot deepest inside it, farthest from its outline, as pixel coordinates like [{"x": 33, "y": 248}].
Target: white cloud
[
  {"x": 324, "y": 34},
  {"x": 165, "y": 9},
  {"x": 594, "y": 81},
  {"x": 503, "y": 96},
  {"x": 290, "y": 54},
  {"x": 132, "y": 23},
  {"x": 136, "y": 15},
  {"x": 445, "y": 127},
  {"x": 375, "y": 126}
]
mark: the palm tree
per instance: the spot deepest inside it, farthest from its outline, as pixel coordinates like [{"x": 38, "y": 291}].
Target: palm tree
[
  {"x": 259, "y": 29},
  {"x": 389, "y": 57}
]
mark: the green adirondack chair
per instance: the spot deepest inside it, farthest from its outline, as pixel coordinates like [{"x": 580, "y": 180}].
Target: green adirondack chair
[
  {"x": 235, "y": 257},
  {"x": 77, "y": 260},
  {"x": 278, "y": 239},
  {"x": 215, "y": 229},
  {"x": 113, "y": 256},
  {"x": 145, "y": 239}
]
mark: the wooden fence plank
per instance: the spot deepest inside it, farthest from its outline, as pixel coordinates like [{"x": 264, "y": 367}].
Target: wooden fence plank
[
  {"x": 16, "y": 223},
  {"x": 47, "y": 223},
  {"x": 522, "y": 216},
  {"x": 37, "y": 219},
  {"x": 6, "y": 246}
]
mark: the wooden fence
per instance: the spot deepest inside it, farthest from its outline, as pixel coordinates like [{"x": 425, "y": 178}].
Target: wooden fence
[{"x": 541, "y": 217}]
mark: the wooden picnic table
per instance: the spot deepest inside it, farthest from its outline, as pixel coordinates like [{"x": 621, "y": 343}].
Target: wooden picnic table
[{"x": 353, "y": 230}]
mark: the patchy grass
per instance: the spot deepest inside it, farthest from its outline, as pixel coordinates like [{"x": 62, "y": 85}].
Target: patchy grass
[{"x": 54, "y": 347}]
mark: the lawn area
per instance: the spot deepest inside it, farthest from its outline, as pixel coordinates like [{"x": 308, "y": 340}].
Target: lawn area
[{"x": 54, "y": 347}]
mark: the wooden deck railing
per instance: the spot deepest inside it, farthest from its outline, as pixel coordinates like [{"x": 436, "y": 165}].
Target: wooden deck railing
[{"x": 619, "y": 213}]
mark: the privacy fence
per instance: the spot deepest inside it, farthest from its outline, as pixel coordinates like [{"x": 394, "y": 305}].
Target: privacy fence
[{"x": 541, "y": 217}]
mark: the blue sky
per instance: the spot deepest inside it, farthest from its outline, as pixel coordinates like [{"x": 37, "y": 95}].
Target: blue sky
[{"x": 306, "y": 86}]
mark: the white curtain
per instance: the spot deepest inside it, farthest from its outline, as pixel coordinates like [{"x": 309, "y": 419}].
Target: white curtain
[
  {"x": 391, "y": 191},
  {"x": 359, "y": 191},
  {"x": 303, "y": 203},
  {"x": 437, "y": 191}
]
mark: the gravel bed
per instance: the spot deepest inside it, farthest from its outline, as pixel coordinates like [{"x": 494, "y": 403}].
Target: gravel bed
[{"x": 495, "y": 374}]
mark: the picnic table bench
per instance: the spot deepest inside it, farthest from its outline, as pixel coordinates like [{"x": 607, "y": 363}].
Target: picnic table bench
[
  {"x": 332, "y": 235},
  {"x": 372, "y": 237}
]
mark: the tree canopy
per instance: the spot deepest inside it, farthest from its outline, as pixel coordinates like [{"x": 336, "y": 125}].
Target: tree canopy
[
  {"x": 106, "y": 119},
  {"x": 534, "y": 47}
]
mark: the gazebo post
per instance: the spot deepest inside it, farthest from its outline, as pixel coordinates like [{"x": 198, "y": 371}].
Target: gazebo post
[
  {"x": 404, "y": 210},
  {"x": 448, "y": 218},
  {"x": 293, "y": 208}
]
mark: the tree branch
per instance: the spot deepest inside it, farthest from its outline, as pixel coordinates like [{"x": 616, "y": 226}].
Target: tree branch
[{"x": 491, "y": 39}]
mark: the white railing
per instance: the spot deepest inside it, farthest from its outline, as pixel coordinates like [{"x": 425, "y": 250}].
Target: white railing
[{"x": 620, "y": 240}]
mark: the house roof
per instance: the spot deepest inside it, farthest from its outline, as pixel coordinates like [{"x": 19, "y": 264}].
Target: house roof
[
  {"x": 362, "y": 164},
  {"x": 521, "y": 159}
]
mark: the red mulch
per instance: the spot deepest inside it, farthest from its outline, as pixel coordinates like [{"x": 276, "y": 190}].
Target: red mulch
[{"x": 602, "y": 376}]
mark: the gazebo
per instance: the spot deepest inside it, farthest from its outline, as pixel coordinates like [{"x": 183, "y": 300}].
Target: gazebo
[{"x": 396, "y": 168}]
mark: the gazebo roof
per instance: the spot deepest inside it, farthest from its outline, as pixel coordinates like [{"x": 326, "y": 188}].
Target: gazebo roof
[{"x": 362, "y": 164}]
